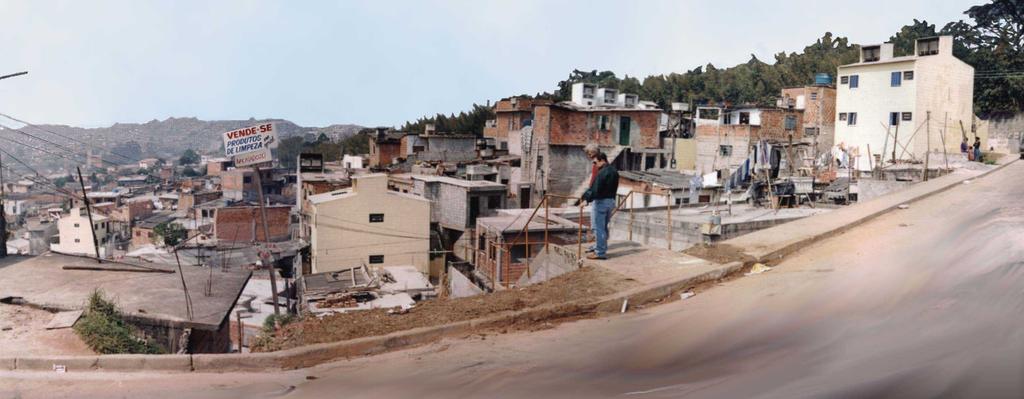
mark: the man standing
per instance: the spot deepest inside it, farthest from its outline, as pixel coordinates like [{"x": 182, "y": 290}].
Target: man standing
[
  {"x": 591, "y": 151},
  {"x": 601, "y": 196}
]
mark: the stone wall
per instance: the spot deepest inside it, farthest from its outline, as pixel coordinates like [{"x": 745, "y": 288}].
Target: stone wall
[{"x": 1005, "y": 134}]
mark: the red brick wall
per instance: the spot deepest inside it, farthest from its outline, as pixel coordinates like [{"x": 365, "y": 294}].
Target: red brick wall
[
  {"x": 381, "y": 154},
  {"x": 243, "y": 224},
  {"x": 570, "y": 127}
]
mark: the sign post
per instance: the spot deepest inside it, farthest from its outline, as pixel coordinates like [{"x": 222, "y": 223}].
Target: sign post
[{"x": 250, "y": 146}]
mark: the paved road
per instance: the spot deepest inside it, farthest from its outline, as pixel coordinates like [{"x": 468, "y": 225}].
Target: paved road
[{"x": 922, "y": 302}]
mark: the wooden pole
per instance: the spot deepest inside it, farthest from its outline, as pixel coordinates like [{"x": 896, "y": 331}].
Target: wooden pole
[
  {"x": 266, "y": 238},
  {"x": 928, "y": 142},
  {"x": 88, "y": 211},
  {"x": 895, "y": 142},
  {"x": 579, "y": 237},
  {"x": 945, "y": 127},
  {"x": 629, "y": 197},
  {"x": 668, "y": 227},
  {"x": 241, "y": 331}
]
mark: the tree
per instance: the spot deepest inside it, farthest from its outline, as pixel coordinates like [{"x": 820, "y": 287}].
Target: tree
[
  {"x": 190, "y": 157},
  {"x": 171, "y": 233},
  {"x": 189, "y": 172},
  {"x": 61, "y": 181}
]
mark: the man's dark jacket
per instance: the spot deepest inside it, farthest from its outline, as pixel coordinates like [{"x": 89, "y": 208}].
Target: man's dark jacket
[{"x": 605, "y": 184}]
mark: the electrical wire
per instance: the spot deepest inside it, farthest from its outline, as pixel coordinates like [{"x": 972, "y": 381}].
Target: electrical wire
[{"x": 66, "y": 137}]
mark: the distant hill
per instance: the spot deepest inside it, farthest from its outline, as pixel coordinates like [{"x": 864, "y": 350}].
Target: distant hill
[{"x": 167, "y": 138}]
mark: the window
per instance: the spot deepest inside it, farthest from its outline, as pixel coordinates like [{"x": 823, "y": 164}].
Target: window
[
  {"x": 894, "y": 118},
  {"x": 814, "y": 96},
  {"x": 727, "y": 118},
  {"x": 896, "y": 79},
  {"x": 851, "y": 120},
  {"x": 77, "y": 241},
  {"x": 928, "y": 46},
  {"x": 246, "y": 180},
  {"x": 588, "y": 91},
  {"x": 810, "y": 131},
  {"x": 907, "y": 116},
  {"x": 76, "y": 225},
  {"x": 376, "y": 218},
  {"x": 376, "y": 259},
  {"x": 844, "y": 80},
  {"x": 908, "y": 75},
  {"x": 603, "y": 122},
  {"x": 494, "y": 202},
  {"x": 872, "y": 53},
  {"x": 744, "y": 118},
  {"x": 790, "y": 122},
  {"x": 842, "y": 116},
  {"x": 854, "y": 81},
  {"x": 511, "y": 124},
  {"x": 725, "y": 150},
  {"x": 138, "y": 233}
]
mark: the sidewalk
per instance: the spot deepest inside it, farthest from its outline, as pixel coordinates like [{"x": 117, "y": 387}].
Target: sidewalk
[{"x": 773, "y": 244}]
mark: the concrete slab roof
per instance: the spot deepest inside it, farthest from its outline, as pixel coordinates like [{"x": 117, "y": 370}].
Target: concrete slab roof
[
  {"x": 471, "y": 184},
  {"x": 147, "y": 297}
]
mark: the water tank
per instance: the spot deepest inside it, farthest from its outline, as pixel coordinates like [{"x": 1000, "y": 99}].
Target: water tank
[{"x": 822, "y": 79}]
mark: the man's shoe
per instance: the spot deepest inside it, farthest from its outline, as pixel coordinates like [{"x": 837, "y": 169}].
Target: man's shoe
[
  {"x": 596, "y": 257},
  {"x": 590, "y": 250}
]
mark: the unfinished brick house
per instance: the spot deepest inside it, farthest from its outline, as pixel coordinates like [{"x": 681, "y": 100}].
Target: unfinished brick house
[
  {"x": 550, "y": 138},
  {"x": 818, "y": 103},
  {"x": 385, "y": 147},
  {"x": 725, "y": 135}
]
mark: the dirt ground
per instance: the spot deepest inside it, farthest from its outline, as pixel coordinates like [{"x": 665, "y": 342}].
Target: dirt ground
[
  {"x": 23, "y": 333},
  {"x": 581, "y": 284}
]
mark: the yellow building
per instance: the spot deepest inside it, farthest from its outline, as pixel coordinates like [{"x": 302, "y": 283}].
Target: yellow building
[{"x": 368, "y": 224}]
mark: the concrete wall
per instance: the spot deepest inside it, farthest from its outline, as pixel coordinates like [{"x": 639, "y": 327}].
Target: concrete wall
[
  {"x": 946, "y": 88},
  {"x": 569, "y": 167},
  {"x": 868, "y": 189},
  {"x": 649, "y": 228},
  {"x": 1005, "y": 134}
]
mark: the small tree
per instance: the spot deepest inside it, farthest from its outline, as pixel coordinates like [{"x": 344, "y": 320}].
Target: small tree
[
  {"x": 171, "y": 233},
  {"x": 190, "y": 157}
]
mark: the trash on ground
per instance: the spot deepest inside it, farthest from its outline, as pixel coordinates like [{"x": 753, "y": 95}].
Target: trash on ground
[
  {"x": 686, "y": 295},
  {"x": 625, "y": 304},
  {"x": 903, "y": 206},
  {"x": 967, "y": 182},
  {"x": 759, "y": 268}
]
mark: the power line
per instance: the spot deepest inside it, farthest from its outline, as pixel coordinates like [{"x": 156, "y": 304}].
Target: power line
[
  {"x": 71, "y": 151},
  {"x": 66, "y": 137}
]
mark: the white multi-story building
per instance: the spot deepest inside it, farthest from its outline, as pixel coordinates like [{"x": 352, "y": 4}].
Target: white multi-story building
[
  {"x": 930, "y": 91},
  {"x": 76, "y": 236}
]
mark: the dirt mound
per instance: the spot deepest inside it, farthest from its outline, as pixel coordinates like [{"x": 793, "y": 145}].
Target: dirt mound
[{"x": 581, "y": 284}]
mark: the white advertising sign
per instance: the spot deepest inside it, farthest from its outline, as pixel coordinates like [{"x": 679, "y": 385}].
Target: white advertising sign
[
  {"x": 253, "y": 158},
  {"x": 252, "y": 139}
]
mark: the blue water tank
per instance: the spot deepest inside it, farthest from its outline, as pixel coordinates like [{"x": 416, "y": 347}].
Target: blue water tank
[{"x": 822, "y": 79}]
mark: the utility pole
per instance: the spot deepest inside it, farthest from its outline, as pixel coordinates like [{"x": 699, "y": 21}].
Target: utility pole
[
  {"x": 3, "y": 212},
  {"x": 266, "y": 239},
  {"x": 88, "y": 211},
  {"x": 928, "y": 142}
]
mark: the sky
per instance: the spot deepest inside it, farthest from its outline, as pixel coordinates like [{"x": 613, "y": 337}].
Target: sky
[{"x": 380, "y": 63}]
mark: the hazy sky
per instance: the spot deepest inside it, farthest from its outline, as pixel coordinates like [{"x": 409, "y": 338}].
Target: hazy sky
[{"x": 93, "y": 63}]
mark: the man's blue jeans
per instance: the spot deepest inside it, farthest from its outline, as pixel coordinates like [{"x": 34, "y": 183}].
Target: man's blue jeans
[{"x": 601, "y": 213}]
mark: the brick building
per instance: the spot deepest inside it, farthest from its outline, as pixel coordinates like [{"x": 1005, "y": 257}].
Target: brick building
[
  {"x": 725, "y": 135},
  {"x": 550, "y": 138},
  {"x": 818, "y": 104},
  {"x": 244, "y": 224},
  {"x": 385, "y": 147}
]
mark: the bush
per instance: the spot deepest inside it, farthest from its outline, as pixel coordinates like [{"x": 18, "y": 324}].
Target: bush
[{"x": 104, "y": 329}]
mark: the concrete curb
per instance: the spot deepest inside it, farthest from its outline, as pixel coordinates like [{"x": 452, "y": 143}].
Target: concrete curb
[{"x": 779, "y": 253}]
